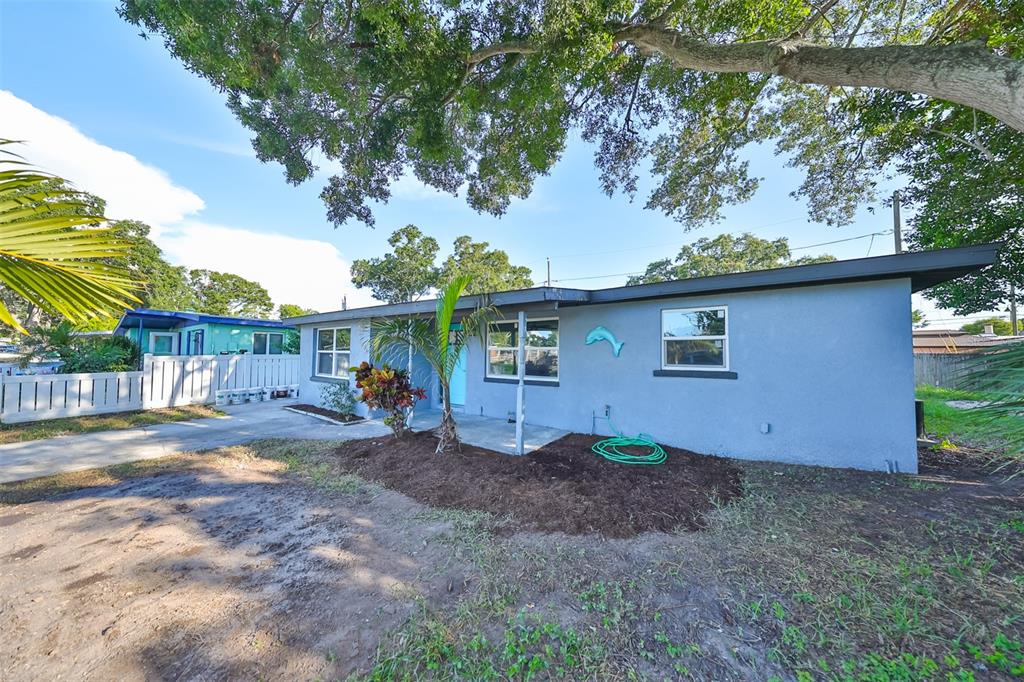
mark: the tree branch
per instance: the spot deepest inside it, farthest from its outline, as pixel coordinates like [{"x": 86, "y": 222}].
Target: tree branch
[{"x": 966, "y": 73}]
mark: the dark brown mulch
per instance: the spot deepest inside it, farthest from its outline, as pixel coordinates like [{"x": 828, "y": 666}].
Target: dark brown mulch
[
  {"x": 560, "y": 487},
  {"x": 313, "y": 409}
]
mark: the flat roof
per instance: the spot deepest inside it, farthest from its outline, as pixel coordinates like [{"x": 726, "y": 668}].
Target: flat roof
[
  {"x": 167, "y": 319},
  {"x": 924, "y": 269}
]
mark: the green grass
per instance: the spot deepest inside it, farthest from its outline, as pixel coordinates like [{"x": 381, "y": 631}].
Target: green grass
[
  {"x": 52, "y": 428},
  {"x": 944, "y": 422}
]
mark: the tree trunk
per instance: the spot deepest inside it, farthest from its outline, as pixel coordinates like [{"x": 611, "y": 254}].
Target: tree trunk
[
  {"x": 447, "y": 432},
  {"x": 966, "y": 73}
]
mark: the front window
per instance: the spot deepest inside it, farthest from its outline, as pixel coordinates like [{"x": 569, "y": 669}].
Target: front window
[
  {"x": 541, "y": 350},
  {"x": 332, "y": 351},
  {"x": 695, "y": 337},
  {"x": 264, "y": 343}
]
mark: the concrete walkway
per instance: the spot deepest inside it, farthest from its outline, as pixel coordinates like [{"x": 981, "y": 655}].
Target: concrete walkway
[{"x": 242, "y": 424}]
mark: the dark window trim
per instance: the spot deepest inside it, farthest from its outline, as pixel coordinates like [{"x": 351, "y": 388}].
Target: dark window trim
[
  {"x": 695, "y": 373},
  {"x": 528, "y": 382}
]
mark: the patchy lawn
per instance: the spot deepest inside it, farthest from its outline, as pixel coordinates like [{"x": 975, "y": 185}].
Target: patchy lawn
[
  {"x": 279, "y": 560},
  {"x": 51, "y": 428}
]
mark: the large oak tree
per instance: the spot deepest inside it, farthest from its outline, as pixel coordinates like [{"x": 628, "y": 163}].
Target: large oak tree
[{"x": 482, "y": 95}]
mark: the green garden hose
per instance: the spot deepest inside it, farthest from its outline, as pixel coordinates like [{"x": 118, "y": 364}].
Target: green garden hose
[{"x": 609, "y": 448}]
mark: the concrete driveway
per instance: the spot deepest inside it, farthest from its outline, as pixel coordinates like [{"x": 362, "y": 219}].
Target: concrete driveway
[{"x": 242, "y": 424}]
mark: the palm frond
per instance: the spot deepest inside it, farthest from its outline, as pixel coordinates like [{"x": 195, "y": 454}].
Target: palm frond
[
  {"x": 47, "y": 254},
  {"x": 997, "y": 374}
]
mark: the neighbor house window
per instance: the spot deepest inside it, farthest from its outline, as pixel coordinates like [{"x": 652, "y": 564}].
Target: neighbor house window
[
  {"x": 695, "y": 337},
  {"x": 267, "y": 343},
  {"x": 541, "y": 350},
  {"x": 162, "y": 343},
  {"x": 332, "y": 351}
]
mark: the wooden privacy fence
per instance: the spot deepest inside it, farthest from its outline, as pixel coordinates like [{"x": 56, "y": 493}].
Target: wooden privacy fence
[
  {"x": 165, "y": 381},
  {"x": 942, "y": 369}
]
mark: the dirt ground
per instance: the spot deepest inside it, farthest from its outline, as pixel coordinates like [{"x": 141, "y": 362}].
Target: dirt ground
[
  {"x": 561, "y": 487},
  {"x": 233, "y": 573},
  {"x": 275, "y": 561}
]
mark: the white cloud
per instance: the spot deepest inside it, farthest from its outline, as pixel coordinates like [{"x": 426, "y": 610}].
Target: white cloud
[
  {"x": 131, "y": 188},
  {"x": 307, "y": 272}
]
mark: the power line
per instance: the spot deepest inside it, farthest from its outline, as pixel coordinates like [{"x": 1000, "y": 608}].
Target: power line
[{"x": 640, "y": 272}]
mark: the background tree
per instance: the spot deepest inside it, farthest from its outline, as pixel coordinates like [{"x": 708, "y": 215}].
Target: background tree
[
  {"x": 1000, "y": 326},
  {"x": 965, "y": 175},
  {"x": 292, "y": 310},
  {"x": 484, "y": 95},
  {"x": 222, "y": 293},
  {"x": 166, "y": 287},
  {"x": 53, "y": 254},
  {"x": 409, "y": 273},
  {"x": 291, "y": 343},
  {"x": 722, "y": 255},
  {"x": 918, "y": 319},
  {"x": 406, "y": 274},
  {"x": 78, "y": 353},
  {"x": 488, "y": 270}
]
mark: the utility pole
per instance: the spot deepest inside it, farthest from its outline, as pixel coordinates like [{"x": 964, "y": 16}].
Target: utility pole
[
  {"x": 896, "y": 228},
  {"x": 1013, "y": 310},
  {"x": 549, "y": 271}
]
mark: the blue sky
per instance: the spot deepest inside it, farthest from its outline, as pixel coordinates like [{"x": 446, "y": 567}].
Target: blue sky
[{"x": 217, "y": 206}]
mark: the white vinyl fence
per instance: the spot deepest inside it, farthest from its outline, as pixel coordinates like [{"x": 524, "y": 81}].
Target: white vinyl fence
[{"x": 165, "y": 381}]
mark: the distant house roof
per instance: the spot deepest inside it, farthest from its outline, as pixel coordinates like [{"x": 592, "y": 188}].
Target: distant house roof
[
  {"x": 169, "y": 319},
  {"x": 923, "y": 268},
  {"x": 957, "y": 341}
]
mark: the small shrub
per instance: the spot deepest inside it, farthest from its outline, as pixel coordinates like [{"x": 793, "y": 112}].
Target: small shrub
[
  {"x": 389, "y": 389},
  {"x": 338, "y": 397}
]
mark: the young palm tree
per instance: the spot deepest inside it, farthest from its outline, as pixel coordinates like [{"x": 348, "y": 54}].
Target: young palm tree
[
  {"x": 438, "y": 343},
  {"x": 47, "y": 254}
]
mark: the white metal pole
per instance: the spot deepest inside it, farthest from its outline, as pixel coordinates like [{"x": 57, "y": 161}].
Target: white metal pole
[{"x": 521, "y": 387}]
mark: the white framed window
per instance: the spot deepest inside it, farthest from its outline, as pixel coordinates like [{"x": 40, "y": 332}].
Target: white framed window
[
  {"x": 163, "y": 343},
  {"x": 541, "y": 350},
  {"x": 333, "y": 348},
  {"x": 695, "y": 338},
  {"x": 267, "y": 343}
]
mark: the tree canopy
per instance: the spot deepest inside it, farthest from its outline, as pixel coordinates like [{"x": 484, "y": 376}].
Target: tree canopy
[
  {"x": 1000, "y": 326},
  {"x": 487, "y": 270},
  {"x": 723, "y": 255},
  {"x": 409, "y": 273},
  {"x": 405, "y": 274},
  {"x": 223, "y": 293},
  {"x": 483, "y": 96},
  {"x": 292, "y": 310}
]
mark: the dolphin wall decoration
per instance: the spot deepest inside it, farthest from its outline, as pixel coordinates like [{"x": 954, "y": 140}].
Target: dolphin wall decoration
[{"x": 602, "y": 334}]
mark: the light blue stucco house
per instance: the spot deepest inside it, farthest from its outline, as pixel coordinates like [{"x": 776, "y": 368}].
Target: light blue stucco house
[
  {"x": 173, "y": 332},
  {"x": 808, "y": 365}
]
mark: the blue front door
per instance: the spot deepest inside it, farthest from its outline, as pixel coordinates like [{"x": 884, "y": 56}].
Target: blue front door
[{"x": 458, "y": 382}]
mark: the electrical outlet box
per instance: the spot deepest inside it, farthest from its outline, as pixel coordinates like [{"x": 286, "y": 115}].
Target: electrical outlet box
[
  {"x": 607, "y": 410},
  {"x": 766, "y": 427}
]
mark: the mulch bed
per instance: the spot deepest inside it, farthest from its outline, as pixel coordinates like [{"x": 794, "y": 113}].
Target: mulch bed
[
  {"x": 562, "y": 487},
  {"x": 313, "y": 409}
]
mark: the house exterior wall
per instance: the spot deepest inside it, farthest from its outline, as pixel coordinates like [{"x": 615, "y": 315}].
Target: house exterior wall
[
  {"x": 310, "y": 384},
  {"x": 217, "y": 338},
  {"x": 828, "y": 368}
]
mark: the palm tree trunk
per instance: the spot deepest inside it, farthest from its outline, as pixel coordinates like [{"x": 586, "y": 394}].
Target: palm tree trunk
[{"x": 447, "y": 432}]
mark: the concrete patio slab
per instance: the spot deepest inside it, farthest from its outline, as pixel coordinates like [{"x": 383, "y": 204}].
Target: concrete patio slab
[{"x": 490, "y": 433}]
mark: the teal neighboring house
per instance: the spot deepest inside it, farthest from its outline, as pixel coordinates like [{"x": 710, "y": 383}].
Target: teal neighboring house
[{"x": 170, "y": 332}]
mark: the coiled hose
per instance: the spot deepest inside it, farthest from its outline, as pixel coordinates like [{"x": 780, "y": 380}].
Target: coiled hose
[{"x": 609, "y": 448}]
